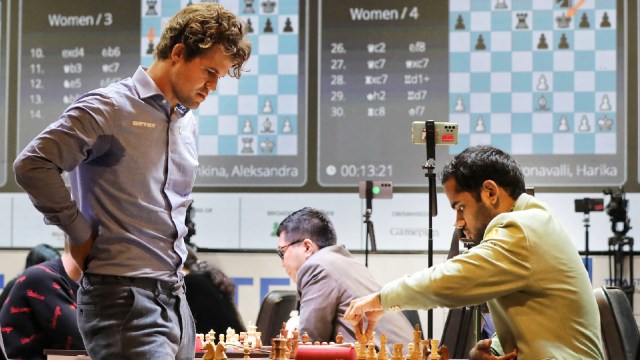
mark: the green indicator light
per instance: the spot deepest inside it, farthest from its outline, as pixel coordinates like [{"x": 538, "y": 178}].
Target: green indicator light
[{"x": 375, "y": 190}]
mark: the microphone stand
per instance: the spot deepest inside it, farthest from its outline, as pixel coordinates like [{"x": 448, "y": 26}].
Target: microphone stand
[
  {"x": 371, "y": 236},
  {"x": 430, "y": 166},
  {"x": 586, "y": 237}
]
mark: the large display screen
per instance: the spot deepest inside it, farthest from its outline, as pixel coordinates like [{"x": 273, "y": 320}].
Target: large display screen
[{"x": 4, "y": 51}]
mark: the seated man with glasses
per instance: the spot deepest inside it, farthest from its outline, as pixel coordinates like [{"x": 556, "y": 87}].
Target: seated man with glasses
[{"x": 328, "y": 278}]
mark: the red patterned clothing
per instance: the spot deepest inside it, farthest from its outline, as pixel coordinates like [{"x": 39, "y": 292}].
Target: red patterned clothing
[{"x": 40, "y": 313}]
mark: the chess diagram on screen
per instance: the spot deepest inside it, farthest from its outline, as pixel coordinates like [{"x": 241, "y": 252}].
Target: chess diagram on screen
[
  {"x": 535, "y": 77},
  {"x": 258, "y": 114}
]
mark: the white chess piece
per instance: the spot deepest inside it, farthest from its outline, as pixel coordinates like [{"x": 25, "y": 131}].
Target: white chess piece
[
  {"x": 480, "y": 124},
  {"x": 542, "y": 83},
  {"x": 501, "y": 4},
  {"x": 605, "y": 105},
  {"x": 584, "y": 124},
  {"x": 267, "y": 108},
  {"x": 605, "y": 123},
  {"x": 286, "y": 127},
  {"x": 459, "y": 104},
  {"x": 564, "y": 124},
  {"x": 247, "y": 129}
]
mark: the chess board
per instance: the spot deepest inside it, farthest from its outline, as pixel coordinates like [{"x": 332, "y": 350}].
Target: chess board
[
  {"x": 258, "y": 114},
  {"x": 526, "y": 78}
]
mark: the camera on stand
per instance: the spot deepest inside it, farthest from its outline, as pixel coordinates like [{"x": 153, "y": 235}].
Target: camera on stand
[
  {"x": 588, "y": 205},
  {"x": 620, "y": 225},
  {"x": 617, "y": 211}
]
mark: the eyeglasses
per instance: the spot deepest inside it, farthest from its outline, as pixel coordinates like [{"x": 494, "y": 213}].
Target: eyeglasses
[{"x": 283, "y": 249}]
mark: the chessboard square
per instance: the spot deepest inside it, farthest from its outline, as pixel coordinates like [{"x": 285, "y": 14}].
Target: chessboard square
[
  {"x": 540, "y": 5},
  {"x": 606, "y": 101},
  {"x": 584, "y": 102},
  {"x": 268, "y": 45},
  {"x": 501, "y": 61},
  {"x": 227, "y": 145},
  {"x": 480, "y": 62},
  {"x": 521, "y": 41},
  {"x": 480, "y": 21},
  {"x": 610, "y": 16},
  {"x": 563, "y": 81},
  {"x": 207, "y": 145},
  {"x": 288, "y": 84},
  {"x": 563, "y": 144},
  {"x": 232, "y": 6},
  {"x": 463, "y": 143},
  {"x": 288, "y": 44},
  {"x": 247, "y": 105},
  {"x": 228, "y": 105},
  {"x": 287, "y": 104},
  {"x": 522, "y": 61},
  {"x": 501, "y": 21},
  {"x": 563, "y": 61},
  {"x": 521, "y": 102},
  {"x": 248, "y": 85},
  {"x": 500, "y": 82},
  {"x": 586, "y": 40},
  {"x": 501, "y": 123},
  {"x": 251, "y": 65},
  {"x": 606, "y": 60},
  {"x": 459, "y": 42},
  {"x": 521, "y": 123},
  {"x": 606, "y": 40},
  {"x": 459, "y": 62},
  {"x": 501, "y": 102},
  {"x": 605, "y": 144},
  {"x": 542, "y": 123},
  {"x": 480, "y": 103},
  {"x": 478, "y": 6},
  {"x": 288, "y": 7},
  {"x": 268, "y": 84},
  {"x": 542, "y": 144},
  {"x": 585, "y": 61},
  {"x": 585, "y": 81},
  {"x": 542, "y": 20},
  {"x": 288, "y": 24},
  {"x": 227, "y": 86},
  {"x": 459, "y": 82},
  {"x": 480, "y": 82},
  {"x": 563, "y": 101},
  {"x": 606, "y": 80},
  {"x": 287, "y": 145},
  {"x": 500, "y": 41},
  {"x": 502, "y": 142},
  {"x": 207, "y": 124},
  {"x": 521, "y": 144},
  {"x": 209, "y": 106},
  {"x": 288, "y": 64},
  {"x": 479, "y": 139},
  {"x": 227, "y": 125},
  {"x": 463, "y": 121},
  {"x": 460, "y": 5},
  {"x": 542, "y": 61},
  {"x": 268, "y": 65},
  {"x": 521, "y": 82}
]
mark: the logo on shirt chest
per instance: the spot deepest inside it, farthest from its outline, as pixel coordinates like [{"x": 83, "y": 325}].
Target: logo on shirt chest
[{"x": 143, "y": 124}]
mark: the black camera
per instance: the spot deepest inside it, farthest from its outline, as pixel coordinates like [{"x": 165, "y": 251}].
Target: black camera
[
  {"x": 617, "y": 211},
  {"x": 588, "y": 205}
]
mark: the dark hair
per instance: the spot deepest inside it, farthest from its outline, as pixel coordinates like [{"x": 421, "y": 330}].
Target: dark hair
[
  {"x": 219, "y": 279},
  {"x": 476, "y": 164},
  {"x": 41, "y": 253},
  {"x": 202, "y": 26},
  {"x": 309, "y": 223}
]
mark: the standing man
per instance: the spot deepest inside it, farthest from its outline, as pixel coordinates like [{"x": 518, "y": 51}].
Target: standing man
[
  {"x": 328, "y": 278},
  {"x": 525, "y": 267},
  {"x": 130, "y": 149}
]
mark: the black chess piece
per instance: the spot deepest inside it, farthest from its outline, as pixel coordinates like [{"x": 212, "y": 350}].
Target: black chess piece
[
  {"x": 460, "y": 23},
  {"x": 480, "y": 43},
  {"x": 268, "y": 28},
  {"x": 542, "y": 43},
  {"x": 249, "y": 26},
  {"x": 605, "y": 21},
  {"x": 563, "y": 3},
  {"x": 564, "y": 44},
  {"x": 287, "y": 26},
  {"x": 584, "y": 21},
  {"x": 150, "y": 48}
]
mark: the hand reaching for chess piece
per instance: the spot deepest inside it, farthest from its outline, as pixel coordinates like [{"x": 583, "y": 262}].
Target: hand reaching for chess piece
[
  {"x": 368, "y": 307},
  {"x": 482, "y": 351}
]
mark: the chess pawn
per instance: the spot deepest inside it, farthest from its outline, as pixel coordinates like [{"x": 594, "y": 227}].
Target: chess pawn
[
  {"x": 605, "y": 21},
  {"x": 584, "y": 124},
  {"x": 605, "y": 105},
  {"x": 211, "y": 336},
  {"x": 339, "y": 338},
  {"x": 305, "y": 338},
  {"x": 287, "y": 26},
  {"x": 286, "y": 127},
  {"x": 480, "y": 124},
  {"x": 247, "y": 128},
  {"x": 584, "y": 21},
  {"x": 410, "y": 351},
  {"x": 459, "y": 23},
  {"x": 459, "y": 104},
  {"x": 480, "y": 45},
  {"x": 542, "y": 42},
  {"x": 542, "y": 83},
  {"x": 564, "y": 43},
  {"x": 564, "y": 124},
  {"x": 268, "y": 27},
  {"x": 267, "y": 108},
  {"x": 397, "y": 352}
]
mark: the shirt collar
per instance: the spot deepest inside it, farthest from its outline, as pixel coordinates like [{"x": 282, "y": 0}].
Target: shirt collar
[{"x": 144, "y": 84}]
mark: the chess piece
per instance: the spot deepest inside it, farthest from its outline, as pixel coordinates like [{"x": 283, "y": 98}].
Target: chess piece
[
  {"x": 434, "y": 349},
  {"x": 280, "y": 348},
  {"x": 286, "y": 127},
  {"x": 480, "y": 124},
  {"x": 248, "y": 7},
  {"x": 397, "y": 352},
  {"x": 542, "y": 103},
  {"x": 522, "y": 21},
  {"x": 426, "y": 349},
  {"x": 371, "y": 352},
  {"x": 584, "y": 124},
  {"x": 542, "y": 42},
  {"x": 443, "y": 351},
  {"x": 564, "y": 43},
  {"x": 267, "y": 146},
  {"x": 501, "y": 4},
  {"x": 605, "y": 124},
  {"x": 287, "y": 26},
  {"x": 542, "y": 83},
  {"x": 480, "y": 43},
  {"x": 246, "y": 352},
  {"x": 151, "y": 35},
  {"x": 417, "y": 334},
  {"x": 268, "y": 6},
  {"x": 268, "y": 27},
  {"x": 249, "y": 26},
  {"x": 267, "y": 108},
  {"x": 459, "y": 107},
  {"x": 247, "y": 128},
  {"x": 221, "y": 352},
  {"x": 459, "y": 23},
  {"x": 563, "y": 3},
  {"x": 564, "y": 124},
  {"x": 151, "y": 8},
  {"x": 247, "y": 148},
  {"x": 584, "y": 21},
  {"x": 605, "y": 105},
  {"x": 382, "y": 355},
  {"x": 361, "y": 351},
  {"x": 605, "y": 21},
  {"x": 209, "y": 351},
  {"x": 563, "y": 21},
  {"x": 266, "y": 127},
  {"x": 305, "y": 338},
  {"x": 339, "y": 338}
]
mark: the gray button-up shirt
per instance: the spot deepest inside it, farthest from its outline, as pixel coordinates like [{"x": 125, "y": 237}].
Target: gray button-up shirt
[{"x": 132, "y": 164}]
